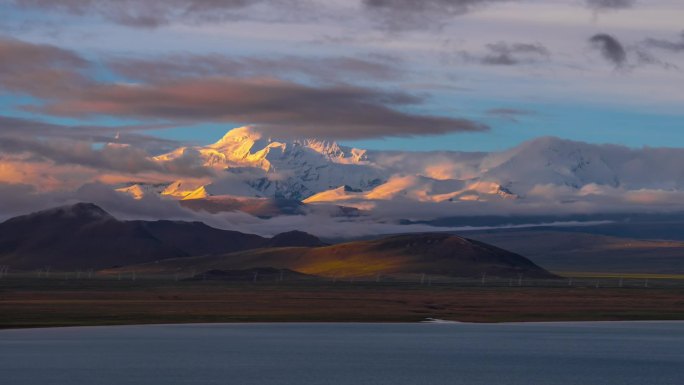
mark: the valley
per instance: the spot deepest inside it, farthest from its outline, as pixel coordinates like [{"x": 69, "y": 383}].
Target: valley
[{"x": 84, "y": 266}]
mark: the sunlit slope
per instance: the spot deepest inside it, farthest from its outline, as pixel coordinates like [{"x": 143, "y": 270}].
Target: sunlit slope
[{"x": 433, "y": 254}]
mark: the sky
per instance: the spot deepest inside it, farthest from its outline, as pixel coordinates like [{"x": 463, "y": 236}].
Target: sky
[
  {"x": 93, "y": 91},
  {"x": 474, "y": 75}
]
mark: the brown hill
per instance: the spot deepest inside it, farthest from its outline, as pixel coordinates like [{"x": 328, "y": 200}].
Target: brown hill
[
  {"x": 83, "y": 236},
  {"x": 295, "y": 239},
  {"x": 433, "y": 254}
]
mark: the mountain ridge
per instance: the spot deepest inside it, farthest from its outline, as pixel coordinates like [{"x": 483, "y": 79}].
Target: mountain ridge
[
  {"x": 408, "y": 254},
  {"x": 246, "y": 163},
  {"x": 84, "y": 236}
]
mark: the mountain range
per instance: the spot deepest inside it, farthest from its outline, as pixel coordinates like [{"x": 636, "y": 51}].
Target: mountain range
[
  {"x": 399, "y": 255},
  {"x": 249, "y": 170},
  {"x": 83, "y": 236}
]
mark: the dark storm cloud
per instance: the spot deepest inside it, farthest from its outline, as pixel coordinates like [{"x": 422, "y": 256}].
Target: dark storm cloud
[
  {"x": 412, "y": 14},
  {"x": 611, "y": 49},
  {"x": 508, "y": 54},
  {"x": 155, "y": 13},
  {"x": 278, "y": 106},
  {"x": 601, "y": 5},
  {"x": 667, "y": 45},
  {"x": 323, "y": 69}
]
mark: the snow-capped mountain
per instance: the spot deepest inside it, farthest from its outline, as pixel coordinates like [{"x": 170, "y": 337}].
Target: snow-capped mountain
[
  {"x": 139, "y": 190},
  {"x": 554, "y": 161},
  {"x": 246, "y": 163}
]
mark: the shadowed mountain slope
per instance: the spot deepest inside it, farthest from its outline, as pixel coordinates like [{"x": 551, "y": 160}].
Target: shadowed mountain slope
[
  {"x": 575, "y": 251},
  {"x": 83, "y": 236}
]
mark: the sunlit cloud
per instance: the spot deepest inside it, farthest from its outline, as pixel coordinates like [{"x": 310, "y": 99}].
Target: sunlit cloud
[{"x": 282, "y": 107}]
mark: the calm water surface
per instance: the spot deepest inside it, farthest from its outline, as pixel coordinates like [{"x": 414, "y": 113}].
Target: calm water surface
[{"x": 648, "y": 353}]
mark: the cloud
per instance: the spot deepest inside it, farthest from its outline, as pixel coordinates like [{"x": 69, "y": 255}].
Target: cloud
[
  {"x": 509, "y": 54},
  {"x": 39, "y": 69},
  {"x": 320, "y": 69},
  {"x": 611, "y": 49},
  {"x": 156, "y": 13},
  {"x": 19, "y": 128},
  {"x": 282, "y": 107},
  {"x": 22, "y": 199},
  {"x": 56, "y": 157},
  {"x": 645, "y": 57},
  {"x": 19, "y": 199},
  {"x": 388, "y": 217},
  {"x": 111, "y": 157},
  {"x": 666, "y": 45},
  {"x": 511, "y": 114},
  {"x": 630, "y": 56},
  {"x": 603, "y": 5},
  {"x": 426, "y": 14},
  {"x": 210, "y": 90}
]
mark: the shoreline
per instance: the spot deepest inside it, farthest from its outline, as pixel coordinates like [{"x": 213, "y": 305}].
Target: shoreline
[{"x": 440, "y": 322}]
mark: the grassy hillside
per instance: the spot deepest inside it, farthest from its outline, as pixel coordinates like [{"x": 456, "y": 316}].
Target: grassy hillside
[{"x": 435, "y": 254}]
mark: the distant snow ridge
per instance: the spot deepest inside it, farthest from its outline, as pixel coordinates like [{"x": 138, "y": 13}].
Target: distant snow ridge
[{"x": 247, "y": 163}]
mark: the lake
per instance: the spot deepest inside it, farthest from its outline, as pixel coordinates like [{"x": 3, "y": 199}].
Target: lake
[{"x": 624, "y": 353}]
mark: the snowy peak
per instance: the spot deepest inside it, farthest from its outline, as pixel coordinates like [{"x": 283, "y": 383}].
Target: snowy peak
[
  {"x": 249, "y": 144},
  {"x": 240, "y": 141},
  {"x": 546, "y": 151},
  {"x": 333, "y": 151},
  {"x": 551, "y": 160},
  {"x": 248, "y": 163},
  {"x": 140, "y": 190},
  {"x": 239, "y": 134}
]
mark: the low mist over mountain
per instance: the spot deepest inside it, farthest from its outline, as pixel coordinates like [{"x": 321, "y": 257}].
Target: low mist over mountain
[
  {"x": 83, "y": 236},
  {"x": 250, "y": 181}
]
